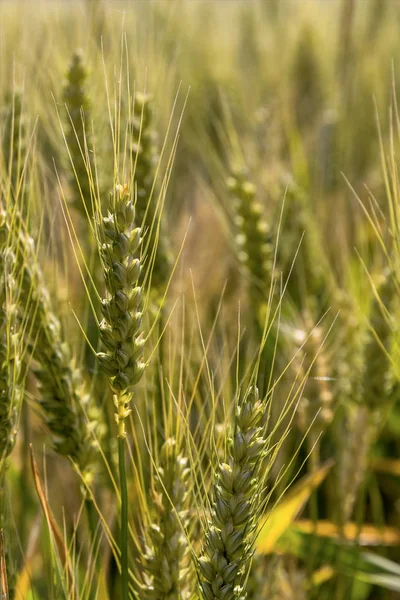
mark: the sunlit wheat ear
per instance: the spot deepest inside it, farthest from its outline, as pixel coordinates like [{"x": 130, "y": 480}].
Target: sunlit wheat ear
[
  {"x": 237, "y": 493},
  {"x": 77, "y": 119},
  {"x": 14, "y": 140},
  {"x": 144, "y": 156},
  {"x": 254, "y": 247},
  {"x": 121, "y": 327},
  {"x": 166, "y": 563}
]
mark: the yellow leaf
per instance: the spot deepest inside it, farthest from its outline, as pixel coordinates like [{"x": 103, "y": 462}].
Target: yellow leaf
[
  {"x": 386, "y": 465},
  {"x": 320, "y": 576},
  {"x": 24, "y": 581},
  {"x": 282, "y": 516},
  {"x": 366, "y": 535}
]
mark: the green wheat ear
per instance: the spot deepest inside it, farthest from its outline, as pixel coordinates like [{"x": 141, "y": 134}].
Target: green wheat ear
[
  {"x": 313, "y": 281},
  {"x": 11, "y": 372},
  {"x": 15, "y": 136},
  {"x": 328, "y": 152},
  {"x": 12, "y": 382},
  {"x": 378, "y": 376},
  {"x": 316, "y": 405},
  {"x": 227, "y": 549},
  {"x": 254, "y": 248},
  {"x": 120, "y": 329},
  {"x": 77, "y": 131},
  {"x": 306, "y": 78},
  {"x": 69, "y": 415},
  {"x": 167, "y": 567},
  {"x": 371, "y": 395},
  {"x": 145, "y": 156}
]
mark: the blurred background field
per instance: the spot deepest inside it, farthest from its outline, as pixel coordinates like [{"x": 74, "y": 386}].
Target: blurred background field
[{"x": 260, "y": 138}]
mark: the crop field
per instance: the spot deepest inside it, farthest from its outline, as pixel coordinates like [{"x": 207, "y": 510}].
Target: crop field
[{"x": 199, "y": 300}]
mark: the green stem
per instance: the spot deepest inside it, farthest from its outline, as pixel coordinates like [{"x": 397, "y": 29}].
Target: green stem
[
  {"x": 91, "y": 520},
  {"x": 124, "y": 520}
]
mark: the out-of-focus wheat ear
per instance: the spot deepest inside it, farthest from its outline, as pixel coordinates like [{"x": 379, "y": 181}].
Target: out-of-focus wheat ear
[
  {"x": 306, "y": 78},
  {"x": 366, "y": 411},
  {"x": 11, "y": 370},
  {"x": 227, "y": 548},
  {"x": 253, "y": 241},
  {"x": 145, "y": 157},
  {"x": 328, "y": 152},
  {"x": 167, "y": 566},
  {"x": 14, "y": 140},
  {"x": 12, "y": 382},
  {"x": 311, "y": 364},
  {"x": 313, "y": 282},
  {"x": 359, "y": 435},
  {"x": 69, "y": 415},
  {"x": 349, "y": 364},
  {"x": 77, "y": 105},
  {"x": 378, "y": 376}
]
